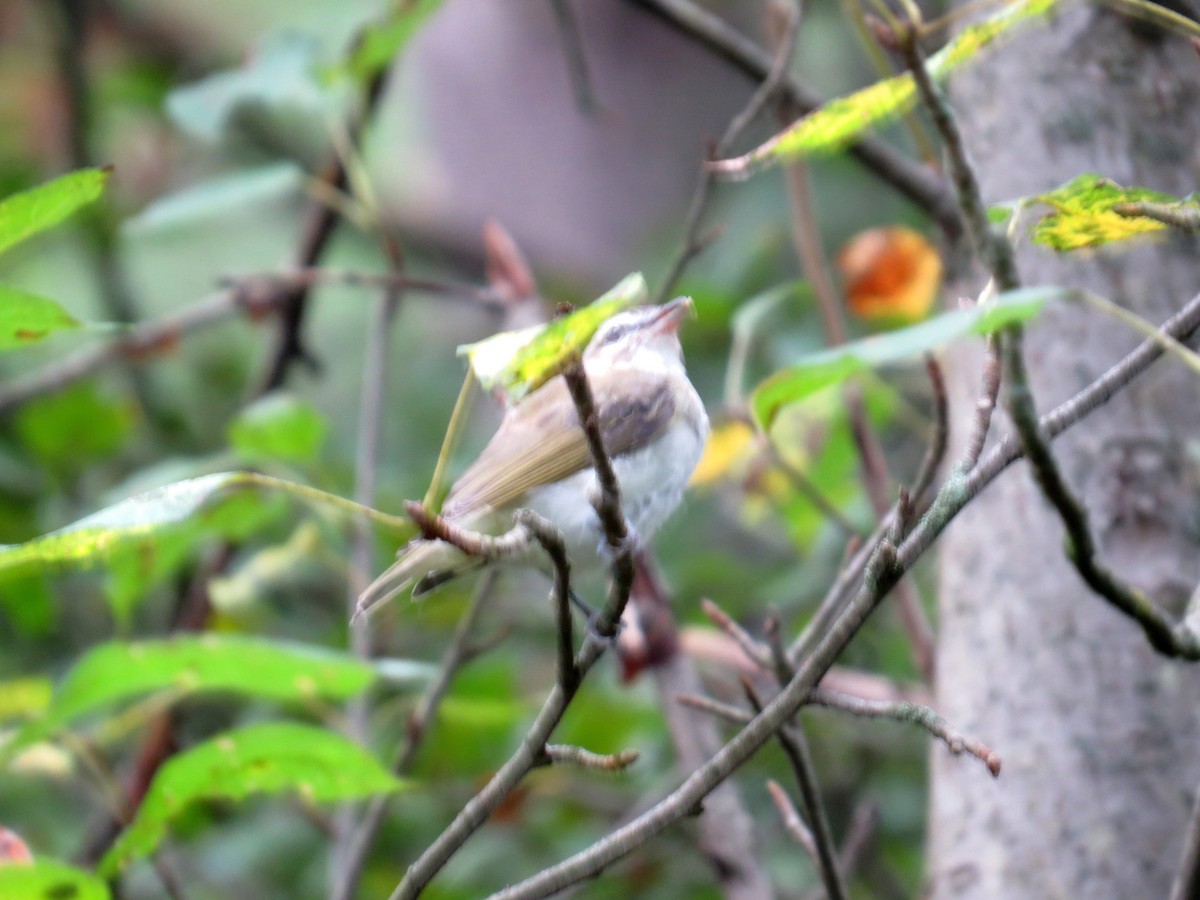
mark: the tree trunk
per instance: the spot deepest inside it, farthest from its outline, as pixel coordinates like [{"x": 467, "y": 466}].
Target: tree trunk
[{"x": 1100, "y": 736}]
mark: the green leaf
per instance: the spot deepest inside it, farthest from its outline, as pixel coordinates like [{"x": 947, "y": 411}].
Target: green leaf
[
  {"x": 519, "y": 362},
  {"x": 96, "y": 537},
  {"x": 48, "y": 879},
  {"x": 71, "y": 429},
  {"x": 839, "y": 122},
  {"x": 185, "y": 665},
  {"x": 278, "y": 427},
  {"x": 27, "y": 318},
  {"x": 384, "y": 40},
  {"x": 37, "y": 209},
  {"x": 835, "y": 365},
  {"x": 316, "y": 764},
  {"x": 1085, "y": 213}
]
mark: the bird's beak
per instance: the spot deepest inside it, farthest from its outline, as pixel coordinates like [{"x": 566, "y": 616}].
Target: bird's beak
[{"x": 670, "y": 317}]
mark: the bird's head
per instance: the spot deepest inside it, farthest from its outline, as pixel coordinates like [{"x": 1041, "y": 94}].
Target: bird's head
[{"x": 634, "y": 331}]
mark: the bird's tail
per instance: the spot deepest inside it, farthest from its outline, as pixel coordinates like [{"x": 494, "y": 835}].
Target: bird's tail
[{"x": 427, "y": 565}]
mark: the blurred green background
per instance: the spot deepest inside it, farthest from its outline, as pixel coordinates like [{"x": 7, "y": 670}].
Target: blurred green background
[{"x": 215, "y": 116}]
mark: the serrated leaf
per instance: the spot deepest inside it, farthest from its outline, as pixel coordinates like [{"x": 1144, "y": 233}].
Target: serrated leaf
[
  {"x": 37, "y": 209},
  {"x": 316, "y": 764},
  {"x": 279, "y": 427},
  {"x": 26, "y": 318},
  {"x": 839, "y": 122},
  {"x": 833, "y": 366},
  {"x": 120, "y": 671},
  {"x": 519, "y": 362},
  {"x": 382, "y": 41},
  {"x": 94, "y": 538},
  {"x": 1085, "y": 216},
  {"x": 48, "y": 879}
]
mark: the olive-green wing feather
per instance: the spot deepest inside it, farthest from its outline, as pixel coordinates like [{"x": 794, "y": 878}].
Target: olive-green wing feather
[{"x": 540, "y": 441}]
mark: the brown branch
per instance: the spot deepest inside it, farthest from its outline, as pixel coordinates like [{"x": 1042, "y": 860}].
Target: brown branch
[
  {"x": 320, "y": 223},
  {"x": 951, "y": 499}
]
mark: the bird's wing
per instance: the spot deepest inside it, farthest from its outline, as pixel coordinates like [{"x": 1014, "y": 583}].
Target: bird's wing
[{"x": 540, "y": 441}]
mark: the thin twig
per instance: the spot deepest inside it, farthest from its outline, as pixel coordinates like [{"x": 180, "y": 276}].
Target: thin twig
[
  {"x": 936, "y": 450},
  {"x": 1185, "y": 218},
  {"x": 724, "y": 830},
  {"x": 319, "y": 225},
  {"x": 914, "y": 713},
  {"x": 366, "y": 472},
  {"x": 567, "y": 754},
  {"x": 457, "y": 654},
  {"x": 771, "y": 80},
  {"x": 571, "y": 41},
  {"x": 923, "y": 187},
  {"x": 795, "y": 747},
  {"x": 951, "y": 499},
  {"x": 985, "y": 404},
  {"x": 759, "y": 654},
  {"x": 607, "y": 505},
  {"x": 551, "y": 539},
  {"x": 790, "y": 817},
  {"x": 139, "y": 342}
]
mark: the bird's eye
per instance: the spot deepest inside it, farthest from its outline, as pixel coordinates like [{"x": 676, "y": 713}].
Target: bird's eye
[{"x": 615, "y": 333}]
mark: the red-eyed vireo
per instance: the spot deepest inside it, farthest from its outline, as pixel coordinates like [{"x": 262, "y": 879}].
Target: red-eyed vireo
[{"x": 653, "y": 426}]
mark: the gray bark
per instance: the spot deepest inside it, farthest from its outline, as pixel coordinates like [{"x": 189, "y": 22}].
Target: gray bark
[{"x": 1100, "y": 737}]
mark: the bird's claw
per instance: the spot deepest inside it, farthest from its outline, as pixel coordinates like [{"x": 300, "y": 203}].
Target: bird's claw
[{"x": 631, "y": 543}]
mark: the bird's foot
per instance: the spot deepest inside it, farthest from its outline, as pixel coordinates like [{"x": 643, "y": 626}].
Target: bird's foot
[
  {"x": 631, "y": 544},
  {"x": 592, "y": 620}
]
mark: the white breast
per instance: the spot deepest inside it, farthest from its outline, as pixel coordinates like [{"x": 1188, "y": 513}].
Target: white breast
[{"x": 652, "y": 482}]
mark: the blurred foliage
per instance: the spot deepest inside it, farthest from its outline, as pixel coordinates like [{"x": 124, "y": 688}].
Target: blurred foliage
[{"x": 220, "y": 119}]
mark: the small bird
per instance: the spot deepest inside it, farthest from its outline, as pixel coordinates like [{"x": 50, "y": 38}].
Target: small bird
[{"x": 653, "y": 426}]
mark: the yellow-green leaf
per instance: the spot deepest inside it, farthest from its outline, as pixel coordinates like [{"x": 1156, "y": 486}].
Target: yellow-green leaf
[
  {"x": 840, "y": 121},
  {"x": 48, "y": 879},
  {"x": 1086, "y": 213},
  {"x": 26, "y": 318},
  {"x": 315, "y": 763},
  {"x": 29, "y": 212},
  {"x": 519, "y": 362},
  {"x": 96, "y": 537}
]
